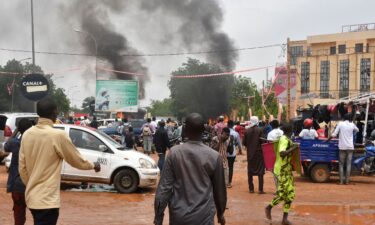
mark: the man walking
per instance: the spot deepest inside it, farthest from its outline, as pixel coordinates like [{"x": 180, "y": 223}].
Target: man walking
[
  {"x": 147, "y": 132},
  {"x": 218, "y": 128},
  {"x": 14, "y": 184},
  {"x": 42, "y": 152},
  {"x": 232, "y": 156},
  {"x": 255, "y": 161},
  {"x": 161, "y": 142},
  {"x": 345, "y": 130},
  {"x": 192, "y": 182}
]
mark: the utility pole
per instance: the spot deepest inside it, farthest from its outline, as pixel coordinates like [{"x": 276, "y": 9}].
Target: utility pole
[
  {"x": 263, "y": 97},
  {"x": 32, "y": 32},
  {"x": 32, "y": 41},
  {"x": 267, "y": 78},
  {"x": 288, "y": 75}
]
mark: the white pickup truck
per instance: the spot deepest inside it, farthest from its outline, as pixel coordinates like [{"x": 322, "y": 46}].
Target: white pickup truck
[{"x": 126, "y": 169}]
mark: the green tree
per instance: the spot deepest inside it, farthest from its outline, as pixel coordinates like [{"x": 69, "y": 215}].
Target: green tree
[
  {"x": 86, "y": 104},
  {"x": 161, "y": 107},
  {"x": 209, "y": 96},
  {"x": 10, "y": 82},
  {"x": 245, "y": 88}
]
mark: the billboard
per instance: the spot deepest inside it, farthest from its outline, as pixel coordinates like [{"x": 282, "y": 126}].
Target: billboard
[
  {"x": 116, "y": 95},
  {"x": 281, "y": 84}
]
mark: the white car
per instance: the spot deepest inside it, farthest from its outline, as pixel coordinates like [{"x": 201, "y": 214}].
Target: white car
[
  {"x": 8, "y": 124},
  {"x": 125, "y": 169}
]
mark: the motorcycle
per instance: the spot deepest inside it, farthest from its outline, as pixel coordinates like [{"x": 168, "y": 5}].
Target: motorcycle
[
  {"x": 206, "y": 138},
  {"x": 366, "y": 163}
]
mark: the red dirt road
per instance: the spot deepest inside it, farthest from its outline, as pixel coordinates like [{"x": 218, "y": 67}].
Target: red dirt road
[{"x": 327, "y": 203}]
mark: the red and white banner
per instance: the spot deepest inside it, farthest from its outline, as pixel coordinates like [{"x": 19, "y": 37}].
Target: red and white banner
[{"x": 281, "y": 84}]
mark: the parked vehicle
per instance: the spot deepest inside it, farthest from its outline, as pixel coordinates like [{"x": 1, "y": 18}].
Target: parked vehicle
[
  {"x": 319, "y": 158},
  {"x": 126, "y": 169},
  {"x": 366, "y": 163},
  {"x": 8, "y": 124},
  {"x": 105, "y": 123}
]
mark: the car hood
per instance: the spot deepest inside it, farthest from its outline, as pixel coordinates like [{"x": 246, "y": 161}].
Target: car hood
[{"x": 134, "y": 155}]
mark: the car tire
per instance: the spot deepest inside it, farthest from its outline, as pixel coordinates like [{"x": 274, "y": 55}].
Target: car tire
[
  {"x": 126, "y": 181},
  {"x": 320, "y": 173}
]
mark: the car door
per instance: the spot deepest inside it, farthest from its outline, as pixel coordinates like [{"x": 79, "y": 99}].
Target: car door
[{"x": 91, "y": 148}]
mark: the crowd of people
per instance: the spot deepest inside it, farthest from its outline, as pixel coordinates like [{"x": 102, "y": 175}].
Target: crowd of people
[
  {"x": 193, "y": 169},
  {"x": 195, "y": 176}
]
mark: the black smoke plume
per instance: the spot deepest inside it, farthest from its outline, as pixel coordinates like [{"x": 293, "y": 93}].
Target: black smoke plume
[
  {"x": 93, "y": 17},
  {"x": 200, "y": 27}
]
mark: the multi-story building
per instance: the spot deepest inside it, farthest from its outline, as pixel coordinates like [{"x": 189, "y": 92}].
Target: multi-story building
[{"x": 334, "y": 66}]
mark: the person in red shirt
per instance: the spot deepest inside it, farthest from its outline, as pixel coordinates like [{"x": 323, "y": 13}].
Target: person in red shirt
[{"x": 241, "y": 131}]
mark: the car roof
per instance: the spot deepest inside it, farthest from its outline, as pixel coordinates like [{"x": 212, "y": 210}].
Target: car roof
[
  {"x": 18, "y": 114},
  {"x": 75, "y": 126}
]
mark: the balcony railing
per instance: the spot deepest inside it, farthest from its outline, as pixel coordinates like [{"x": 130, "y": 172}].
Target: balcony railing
[{"x": 327, "y": 52}]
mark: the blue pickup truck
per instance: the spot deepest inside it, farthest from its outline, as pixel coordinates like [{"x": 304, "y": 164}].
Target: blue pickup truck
[{"x": 319, "y": 158}]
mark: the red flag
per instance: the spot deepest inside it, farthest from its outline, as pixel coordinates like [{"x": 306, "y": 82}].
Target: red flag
[{"x": 10, "y": 87}]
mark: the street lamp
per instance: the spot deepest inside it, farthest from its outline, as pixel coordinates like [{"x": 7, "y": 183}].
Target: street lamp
[{"x": 96, "y": 48}]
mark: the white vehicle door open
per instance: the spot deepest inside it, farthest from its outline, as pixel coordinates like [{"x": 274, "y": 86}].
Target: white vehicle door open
[{"x": 92, "y": 149}]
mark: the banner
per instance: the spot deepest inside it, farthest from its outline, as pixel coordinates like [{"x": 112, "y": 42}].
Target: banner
[
  {"x": 116, "y": 95},
  {"x": 281, "y": 84}
]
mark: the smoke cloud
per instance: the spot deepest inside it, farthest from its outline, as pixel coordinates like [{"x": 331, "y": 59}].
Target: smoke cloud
[
  {"x": 199, "y": 23},
  {"x": 200, "y": 27},
  {"x": 94, "y": 20}
]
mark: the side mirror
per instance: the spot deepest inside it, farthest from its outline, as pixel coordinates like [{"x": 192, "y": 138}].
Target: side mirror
[{"x": 103, "y": 148}]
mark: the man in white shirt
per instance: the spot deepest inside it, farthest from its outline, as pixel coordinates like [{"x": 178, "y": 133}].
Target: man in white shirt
[
  {"x": 275, "y": 135},
  {"x": 154, "y": 124},
  {"x": 345, "y": 130},
  {"x": 276, "y": 132}
]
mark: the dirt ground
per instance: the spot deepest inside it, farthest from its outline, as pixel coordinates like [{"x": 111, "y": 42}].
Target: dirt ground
[{"x": 327, "y": 203}]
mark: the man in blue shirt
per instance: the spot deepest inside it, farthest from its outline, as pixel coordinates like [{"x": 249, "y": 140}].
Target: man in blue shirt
[
  {"x": 232, "y": 156},
  {"x": 14, "y": 184}
]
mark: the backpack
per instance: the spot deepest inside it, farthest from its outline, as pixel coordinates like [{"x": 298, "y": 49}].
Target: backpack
[
  {"x": 146, "y": 131},
  {"x": 125, "y": 128}
]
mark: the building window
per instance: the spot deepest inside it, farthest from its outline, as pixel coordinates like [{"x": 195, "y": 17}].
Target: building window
[
  {"x": 305, "y": 77},
  {"x": 359, "y": 48},
  {"x": 295, "y": 51},
  {"x": 308, "y": 52},
  {"x": 344, "y": 78},
  {"x": 324, "y": 79},
  {"x": 342, "y": 49},
  {"x": 365, "y": 75},
  {"x": 332, "y": 50}
]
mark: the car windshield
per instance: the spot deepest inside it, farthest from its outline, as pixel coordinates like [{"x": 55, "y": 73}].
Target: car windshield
[
  {"x": 110, "y": 140},
  {"x": 137, "y": 123}
]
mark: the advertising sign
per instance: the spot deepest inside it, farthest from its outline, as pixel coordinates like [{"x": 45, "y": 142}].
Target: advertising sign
[
  {"x": 116, "y": 95},
  {"x": 34, "y": 87},
  {"x": 281, "y": 84}
]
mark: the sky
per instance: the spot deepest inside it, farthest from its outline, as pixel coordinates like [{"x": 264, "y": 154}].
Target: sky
[{"x": 248, "y": 23}]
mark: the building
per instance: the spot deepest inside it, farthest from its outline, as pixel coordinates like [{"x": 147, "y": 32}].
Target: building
[{"x": 334, "y": 66}]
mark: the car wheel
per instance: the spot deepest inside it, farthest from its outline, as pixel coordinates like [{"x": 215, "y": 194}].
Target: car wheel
[
  {"x": 320, "y": 173},
  {"x": 126, "y": 181}
]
